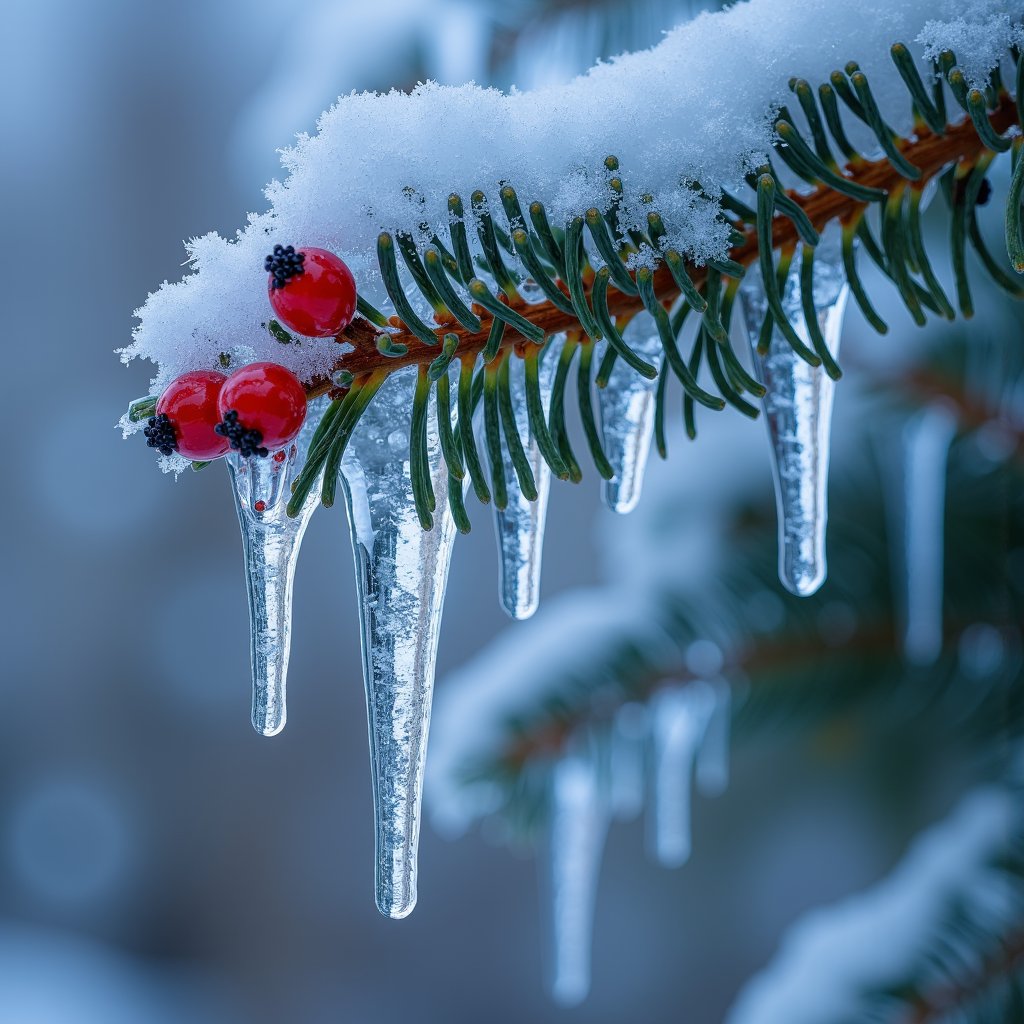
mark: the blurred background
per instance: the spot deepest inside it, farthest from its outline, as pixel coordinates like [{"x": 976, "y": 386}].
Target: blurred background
[{"x": 158, "y": 860}]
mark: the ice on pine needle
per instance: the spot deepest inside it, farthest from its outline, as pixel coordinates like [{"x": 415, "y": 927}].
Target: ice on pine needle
[
  {"x": 919, "y": 520},
  {"x": 679, "y": 717},
  {"x": 577, "y": 826},
  {"x": 401, "y": 575},
  {"x": 519, "y": 526},
  {"x": 270, "y": 543},
  {"x": 626, "y": 405},
  {"x": 798, "y": 413}
]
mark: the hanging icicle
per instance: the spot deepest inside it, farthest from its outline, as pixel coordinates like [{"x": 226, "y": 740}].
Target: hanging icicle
[
  {"x": 270, "y": 544},
  {"x": 401, "y": 575},
  {"x": 629, "y": 736},
  {"x": 626, "y": 404},
  {"x": 520, "y": 525},
  {"x": 713, "y": 756},
  {"x": 927, "y": 437},
  {"x": 577, "y": 827},
  {"x": 798, "y": 412},
  {"x": 679, "y": 717}
]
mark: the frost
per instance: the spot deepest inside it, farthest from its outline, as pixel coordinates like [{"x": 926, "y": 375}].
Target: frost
[{"x": 390, "y": 161}]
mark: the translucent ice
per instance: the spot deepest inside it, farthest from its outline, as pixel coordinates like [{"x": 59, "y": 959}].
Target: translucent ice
[
  {"x": 713, "y": 756},
  {"x": 798, "y": 415},
  {"x": 520, "y": 525},
  {"x": 270, "y": 542},
  {"x": 926, "y": 440},
  {"x": 679, "y": 717},
  {"x": 629, "y": 735},
  {"x": 577, "y": 826},
  {"x": 401, "y": 575},
  {"x": 626, "y": 404}
]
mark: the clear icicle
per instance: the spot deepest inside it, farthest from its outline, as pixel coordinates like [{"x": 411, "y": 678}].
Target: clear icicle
[
  {"x": 679, "y": 717},
  {"x": 520, "y": 525},
  {"x": 926, "y": 440},
  {"x": 626, "y": 405},
  {"x": 798, "y": 414},
  {"x": 401, "y": 575},
  {"x": 577, "y": 827},
  {"x": 713, "y": 756},
  {"x": 270, "y": 543},
  {"x": 629, "y": 735}
]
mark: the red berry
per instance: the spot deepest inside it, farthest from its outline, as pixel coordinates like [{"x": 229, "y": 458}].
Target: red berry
[
  {"x": 318, "y": 300},
  {"x": 266, "y": 398},
  {"x": 190, "y": 403},
  {"x": 260, "y": 506}
]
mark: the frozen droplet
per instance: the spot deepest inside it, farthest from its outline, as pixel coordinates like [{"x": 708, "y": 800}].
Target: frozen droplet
[
  {"x": 519, "y": 526},
  {"x": 798, "y": 414},
  {"x": 679, "y": 716},
  {"x": 920, "y": 504},
  {"x": 626, "y": 406},
  {"x": 713, "y": 756},
  {"x": 628, "y": 755},
  {"x": 401, "y": 575},
  {"x": 270, "y": 544},
  {"x": 577, "y": 827}
]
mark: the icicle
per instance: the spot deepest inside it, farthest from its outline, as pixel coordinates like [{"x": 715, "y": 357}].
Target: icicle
[
  {"x": 628, "y": 751},
  {"x": 713, "y": 756},
  {"x": 679, "y": 717},
  {"x": 270, "y": 543},
  {"x": 798, "y": 415},
  {"x": 926, "y": 440},
  {"x": 626, "y": 405},
  {"x": 577, "y": 827},
  {"x": 520, "y": 526},
  {"x": 401, "y": 575}
]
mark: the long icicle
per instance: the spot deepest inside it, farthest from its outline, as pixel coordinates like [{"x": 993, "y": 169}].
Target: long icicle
[
  {"x": 270, "y": 543},
  {"x": 798, "y": 413},
  {"x": 401, "y": 575},
  {"x": 577, "y": 827}
]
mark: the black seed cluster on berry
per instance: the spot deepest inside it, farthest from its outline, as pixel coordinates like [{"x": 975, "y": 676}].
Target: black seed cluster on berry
[
  {"x": 284, "y": 263},
  {"x": 246, "y": 442},
  {"x": 160, "y": 434}
]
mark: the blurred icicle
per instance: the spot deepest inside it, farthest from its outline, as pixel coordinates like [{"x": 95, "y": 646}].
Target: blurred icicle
[
  {"x": 626, "y": 405},
  {"x": 520, "y": 525},
  {"x": 401, "y": 575},
  {"x": 270, "y": 543},
  {"x": 798, "y": 414},
  {"x": 577, "y": 827},
  {"x": 629, "y": 735},
  {"x": 679, "y": 717},
  {"x": 713, "y": 756},
  {"x": 926, "y": 439}
]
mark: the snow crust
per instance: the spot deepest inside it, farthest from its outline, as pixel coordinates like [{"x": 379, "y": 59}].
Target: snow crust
[
  {"x": 696, "y": 107},
  {"x": 870, "y": 940}
]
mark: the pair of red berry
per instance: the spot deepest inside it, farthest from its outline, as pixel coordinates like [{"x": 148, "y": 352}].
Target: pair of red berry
[{"x": 203, "y": 414}]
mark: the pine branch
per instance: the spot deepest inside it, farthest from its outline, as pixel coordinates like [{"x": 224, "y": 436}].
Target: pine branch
[{"x": 929, "y": 151}]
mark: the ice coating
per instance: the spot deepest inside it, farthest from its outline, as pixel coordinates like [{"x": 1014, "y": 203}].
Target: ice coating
[
  {"x": 388, "y": 162},
  {"x": 626, "y": 405},
  {"x": 577, "y": 827},
  {"x": 679, "y": 716},
  {"x": 798, "y": 414},
  {"x": 627, "y": 757},
  {"x": 401, "y": 575},
  {"x": 926, "y": 440},
  {"x": 519, "y": 526},
  {"x": 270, "y": 544}
]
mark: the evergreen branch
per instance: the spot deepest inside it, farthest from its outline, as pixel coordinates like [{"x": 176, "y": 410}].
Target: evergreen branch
[{"x": 930, "y": 152}]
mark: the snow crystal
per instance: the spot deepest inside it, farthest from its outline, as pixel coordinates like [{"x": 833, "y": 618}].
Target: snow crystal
[
  {"x": 697, "y": 106},
  {"x": 870, "y": 940}
]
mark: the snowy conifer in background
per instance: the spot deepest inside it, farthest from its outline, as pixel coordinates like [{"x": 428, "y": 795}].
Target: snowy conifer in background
[{"x": 436, "y": 268}]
